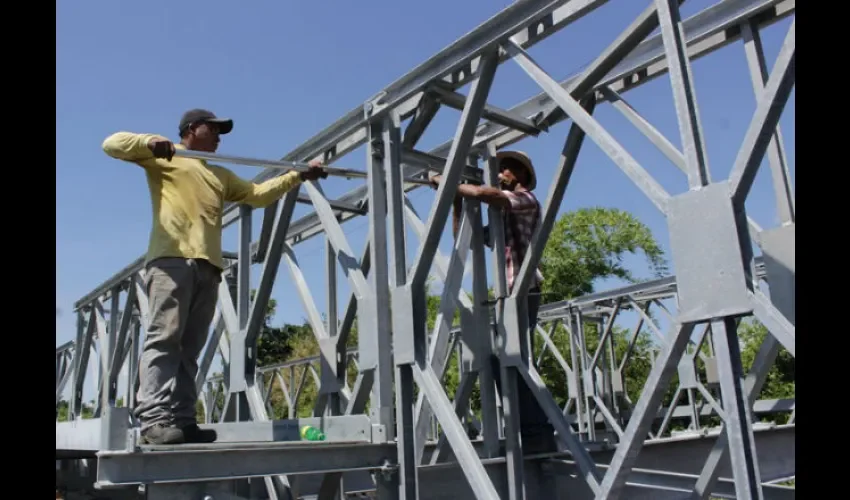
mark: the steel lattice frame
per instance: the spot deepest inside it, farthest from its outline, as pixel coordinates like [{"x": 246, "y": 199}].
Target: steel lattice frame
[{"x": 711, "y": 240}]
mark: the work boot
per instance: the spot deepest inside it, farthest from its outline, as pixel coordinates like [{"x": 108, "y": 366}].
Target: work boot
[
  {"x": 194, "y": 434},
  {"x": 159, "y": 434}
]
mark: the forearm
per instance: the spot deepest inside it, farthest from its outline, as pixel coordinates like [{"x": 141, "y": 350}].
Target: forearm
[
  {"x": 261, "y": 195},
  {"x": 481, "y": 193},
  {"x": 485, "y": 194},
  {"x": 129, "y": 146}
]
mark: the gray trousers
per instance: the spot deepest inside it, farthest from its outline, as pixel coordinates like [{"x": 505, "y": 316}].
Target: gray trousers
[{"x": 182, "y": 295}]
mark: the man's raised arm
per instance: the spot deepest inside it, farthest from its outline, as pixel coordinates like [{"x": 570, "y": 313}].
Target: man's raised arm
[
  {"x": 238, "y": 190},
  {"x": 132, "y": 147},
  {"x": 486, "y": 194}
]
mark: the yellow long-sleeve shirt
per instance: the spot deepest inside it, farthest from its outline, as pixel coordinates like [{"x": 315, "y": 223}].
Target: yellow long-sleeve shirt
[{"x": 188, "y": 196}]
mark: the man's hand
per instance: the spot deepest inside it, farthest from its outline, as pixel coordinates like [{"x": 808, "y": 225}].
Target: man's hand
[
  {"x": 435, "y": 180},
  {"x": 162, "y": 148},
  {"x": 315, "y": 171}
]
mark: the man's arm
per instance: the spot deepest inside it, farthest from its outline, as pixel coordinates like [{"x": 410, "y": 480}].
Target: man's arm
[
  {"x": 486, "y": 194},
  {"x": 238, "y": 190},
  {"x": 131, "y": 147}
]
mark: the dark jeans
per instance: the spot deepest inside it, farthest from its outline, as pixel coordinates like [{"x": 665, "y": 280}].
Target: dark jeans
[{"x": 531, "y": 415}]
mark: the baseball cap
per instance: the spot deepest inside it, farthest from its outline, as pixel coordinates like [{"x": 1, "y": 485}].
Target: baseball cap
[{"x": 225, "y": 125}]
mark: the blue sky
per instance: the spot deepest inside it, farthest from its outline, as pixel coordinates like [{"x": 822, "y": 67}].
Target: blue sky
[{"x": 286, "y": 70}]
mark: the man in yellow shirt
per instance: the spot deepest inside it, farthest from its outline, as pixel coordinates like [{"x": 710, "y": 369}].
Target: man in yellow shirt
[{"x": 184, "y": 263}]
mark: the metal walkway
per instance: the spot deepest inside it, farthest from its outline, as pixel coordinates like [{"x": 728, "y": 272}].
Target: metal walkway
[{"x": 386, "y": 440}]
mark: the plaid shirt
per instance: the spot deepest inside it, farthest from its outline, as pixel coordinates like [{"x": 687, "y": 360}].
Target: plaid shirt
[{"x": 520, "y": 220}]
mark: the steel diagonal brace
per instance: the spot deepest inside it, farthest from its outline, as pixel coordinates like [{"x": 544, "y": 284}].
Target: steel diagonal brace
[
  {"x": 559, "y": 358},
  {"x": 737, "y": 420},
  {"x": 270, "y": 267},
  {"x": 327, "y": 344},
  {"x": 684, "y": 97},
  {"x": 785, "y": 204},
  {"x": 259, "y": 252},
  {"x": 228, "y": 312},
  {"x": 621, "y": 47},
  {"x": 455, "y": 162},
  {"x": 642, "y": 179},
  {"x": 64, "y": 375},
  {"x": 440, "y": 261},
  {"x": 440, "y": 337},
  {"x": 492, "y": 113},
  {"x": 82, "y": 352},
  {"x": 217, "y": 343},
  {"x": 119, "y": 352},
  {"x": 118, "y": 346},
  {"x": 644, "y": 412},
  {"x": 451, "y": 289},
  {"x": 657, "y": 138},
  {"x": 350, "y": 315},
  {"x": 102, "y": 335},
  {"x": 606, "y": 333},
  {"x": 760, "y": 133},
  {"x": 565, "y": 432},
  {"x": 426, "y": 110},
  {"x": 777, "y": 324},
  {"x": 441, "y": 268},
  {"x": 467, "y": 458},
  {"x": 754, "y": 382},
  {"x": 461, "y": 405},
  {"x": 351, "y": 306},
  {"x": 314, "y": 317},
  {"x": 345, "y": 255},
  {"x": 252, "y": 393}
]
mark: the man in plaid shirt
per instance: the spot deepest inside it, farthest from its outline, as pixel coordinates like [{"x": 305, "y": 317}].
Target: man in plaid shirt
[{"x": 520, "y": 217}]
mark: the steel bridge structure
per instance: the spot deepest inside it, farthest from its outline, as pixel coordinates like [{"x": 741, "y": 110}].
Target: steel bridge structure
[{"x": 690, "y": 430}]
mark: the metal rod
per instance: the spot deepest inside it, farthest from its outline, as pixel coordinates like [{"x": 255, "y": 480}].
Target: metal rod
[
  {"x": 283, "y": 165},
  {"x": 254, "y": 162}
]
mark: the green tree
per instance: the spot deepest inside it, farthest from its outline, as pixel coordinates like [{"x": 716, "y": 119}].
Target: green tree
[
  {"x": 272, "y": 342},
  {"x": 62, "y": 410},
  {"x": 589, "y": 244}
]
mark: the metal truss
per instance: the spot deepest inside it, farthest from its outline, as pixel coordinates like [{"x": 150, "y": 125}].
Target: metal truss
[{"x": 395, "y": 420}]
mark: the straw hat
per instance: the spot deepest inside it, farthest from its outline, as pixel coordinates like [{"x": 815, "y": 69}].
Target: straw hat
[{"x": 523, "y": 158}]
